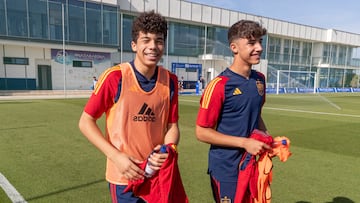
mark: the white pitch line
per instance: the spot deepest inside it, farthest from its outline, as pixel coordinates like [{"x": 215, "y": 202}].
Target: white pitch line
[
  {"x": 314, "y": 112},
  {"x": 330, "y": 102},
  {"x": 11, "y": 192},
  {"x": 186, "y": 100},
  {"x": 300, "y": 111}
]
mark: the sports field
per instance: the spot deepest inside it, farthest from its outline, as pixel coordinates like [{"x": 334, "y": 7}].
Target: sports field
[{"x": 46, "y": 159}]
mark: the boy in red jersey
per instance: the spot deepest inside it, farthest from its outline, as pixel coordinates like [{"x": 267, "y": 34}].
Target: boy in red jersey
[
  {"x": 230, "y": 109},
  {"x": 140, "y": 100}
]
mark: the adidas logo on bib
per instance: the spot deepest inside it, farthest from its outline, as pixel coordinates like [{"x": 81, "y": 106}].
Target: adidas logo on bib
[{"x": 145, "y": 114}]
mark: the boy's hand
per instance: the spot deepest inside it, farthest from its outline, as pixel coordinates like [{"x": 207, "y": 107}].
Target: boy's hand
[
  {"x": 255, "y": 147},
  {"x": 157, "y": 159},
  {"x": 128, "y": 166}
]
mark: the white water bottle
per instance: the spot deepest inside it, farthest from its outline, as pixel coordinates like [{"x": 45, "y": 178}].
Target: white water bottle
[{"x": 148, "y": 170}]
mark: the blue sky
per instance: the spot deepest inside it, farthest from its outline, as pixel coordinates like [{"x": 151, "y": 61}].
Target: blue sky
[{"x": 329, "y": 14}]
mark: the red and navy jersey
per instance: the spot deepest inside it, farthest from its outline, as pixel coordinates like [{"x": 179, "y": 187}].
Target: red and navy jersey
[
  {"x": 108, "y": 89},
  {"x": 231, "y": 104}
]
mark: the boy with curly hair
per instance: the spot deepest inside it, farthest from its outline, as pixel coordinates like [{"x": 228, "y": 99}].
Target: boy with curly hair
[{"x": 140, "y": 100}]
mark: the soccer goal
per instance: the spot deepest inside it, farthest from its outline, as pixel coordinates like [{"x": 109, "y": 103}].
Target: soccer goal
[{"x": 296, "y": 81}]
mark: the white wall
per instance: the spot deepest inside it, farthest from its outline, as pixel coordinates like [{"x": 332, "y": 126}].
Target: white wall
[
  {"x": 15, "y": 71},
  {"x": 76, "y": 78}
]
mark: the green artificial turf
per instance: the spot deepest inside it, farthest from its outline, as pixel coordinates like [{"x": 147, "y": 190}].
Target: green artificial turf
[{"x": 45, "y": 157}]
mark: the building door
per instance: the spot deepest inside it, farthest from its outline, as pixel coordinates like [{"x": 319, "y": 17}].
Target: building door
[{"x": 44, "y": 77}]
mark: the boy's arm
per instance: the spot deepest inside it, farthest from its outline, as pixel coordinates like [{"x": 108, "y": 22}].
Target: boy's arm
[
  {"x": 211, "y": 136},
  {"x": 173, "y": 134},
  {"x": 127, "y": 165}
]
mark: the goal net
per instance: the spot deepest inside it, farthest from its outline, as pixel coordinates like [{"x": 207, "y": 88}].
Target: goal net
[{"x": 295, "y": 81}]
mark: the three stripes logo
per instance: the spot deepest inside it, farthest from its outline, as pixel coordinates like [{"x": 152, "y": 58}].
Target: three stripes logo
[
  {"x": 237, "y": 91},
  {"x": 145, "y": 114}
]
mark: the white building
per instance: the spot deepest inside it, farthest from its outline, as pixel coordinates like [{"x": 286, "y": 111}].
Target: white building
[{"x": 96, "y": 34}]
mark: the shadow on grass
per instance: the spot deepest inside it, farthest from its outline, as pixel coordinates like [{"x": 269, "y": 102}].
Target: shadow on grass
[
  {"x": 23, "y": 127},
  {"x": 341, "y": 200},
  {"x": 16, "y": 102},
  {"x": 65, "y": 190},
  {"x": 335, "y": 200}
]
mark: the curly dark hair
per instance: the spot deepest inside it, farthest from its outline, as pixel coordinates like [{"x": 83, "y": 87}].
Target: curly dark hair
[
  {"x": 245, "y": 29},
  {"x": 149, "y": 22}
]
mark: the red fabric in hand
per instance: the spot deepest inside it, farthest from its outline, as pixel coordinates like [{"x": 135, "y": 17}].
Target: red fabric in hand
[{"x": 165, "y": 186}]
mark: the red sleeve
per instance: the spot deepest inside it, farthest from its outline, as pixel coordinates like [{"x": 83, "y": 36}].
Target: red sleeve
[
  {"x": 102, "y": 98},
  {"x": 174, "y": 105},
  {"x": 211, "y": 103}
]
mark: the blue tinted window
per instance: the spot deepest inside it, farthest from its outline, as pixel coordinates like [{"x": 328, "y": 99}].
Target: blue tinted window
[
  {"x": 217, "y": 42},
  {"x": 110, "y": 25},
  {"x": 126, "y": 29},
  {"x": 55, "y": 20},
  {"x": 264, "y": 46},
  {"x": 17, "y": 18},
  {"x": 186, "y": 40},
  {"x": 16, "y": 60},
  {"x": 2, "y": 16},
  {"x": 93, "y": 23},
  {"x": 38, "y": 19},
  {"x": 76, "y": 21}
]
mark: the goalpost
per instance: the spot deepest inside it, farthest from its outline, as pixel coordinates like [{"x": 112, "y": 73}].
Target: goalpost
[{"x": 296, "y": 79}]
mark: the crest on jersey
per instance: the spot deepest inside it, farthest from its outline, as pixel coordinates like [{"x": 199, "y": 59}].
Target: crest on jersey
[
  {"x": 225, "y": 200},
  {"x": 260, "y": 87}
]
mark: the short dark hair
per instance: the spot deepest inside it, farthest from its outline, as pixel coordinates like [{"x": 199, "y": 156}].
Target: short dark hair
[
  {"x": 149, "y": 22},
  {"x": 245, "y": 29}
]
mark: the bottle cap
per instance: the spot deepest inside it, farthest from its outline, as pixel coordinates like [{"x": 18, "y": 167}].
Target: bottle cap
[{"x": 163, "y": 149}]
